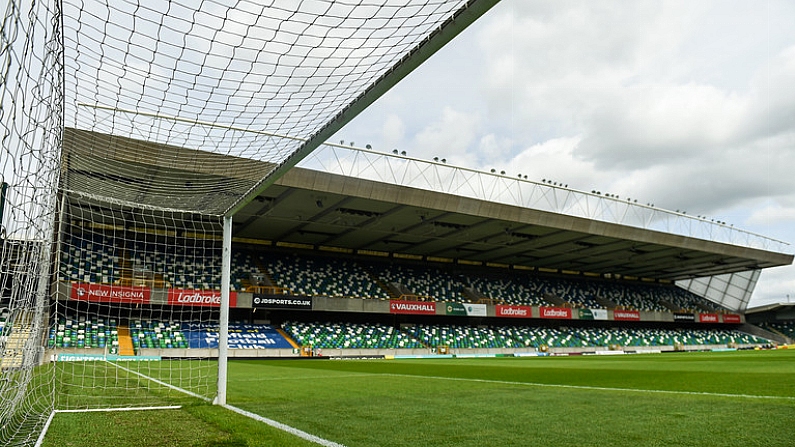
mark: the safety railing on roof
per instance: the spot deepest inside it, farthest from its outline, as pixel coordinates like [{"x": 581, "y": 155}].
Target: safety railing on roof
[{"x": 516, "y": 189}]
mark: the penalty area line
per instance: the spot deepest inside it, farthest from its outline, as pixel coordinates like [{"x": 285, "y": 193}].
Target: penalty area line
[
  {"x": 283, "y": 427},
  {"x": 160, "y": 382},
  {"x": 598, "y": 388},
  {"x": 46, "y": 427},
  {"x": 286, "y": 428}
]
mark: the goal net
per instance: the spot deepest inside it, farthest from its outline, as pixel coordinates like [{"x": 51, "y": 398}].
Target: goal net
[{"x": 133, "y": 133}]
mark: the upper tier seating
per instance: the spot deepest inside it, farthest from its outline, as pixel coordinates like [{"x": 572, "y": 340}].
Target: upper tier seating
[
  {"x": 98, "y": 258},
  {"x": 91, "y": 259},
  {"x": 321, "y": 276},
  {"x": 420, "y": 283}
]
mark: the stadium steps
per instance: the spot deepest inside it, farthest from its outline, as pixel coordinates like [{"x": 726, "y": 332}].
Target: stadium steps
[
  {"x": 605, "y": 302},
  {"x": 125, "y": 341},
  {"x": 555, "y": 300},
  {"x": 749, "y": 328},
  {"x": 288, "y": 338},
  {"x": 125, "y": 269},
  {"x": 21, "y": 331},
  {"x": 473, "y": 295}
]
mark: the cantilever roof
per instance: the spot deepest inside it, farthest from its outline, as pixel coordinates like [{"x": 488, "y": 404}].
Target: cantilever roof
[{"x": 321, "y": 209}]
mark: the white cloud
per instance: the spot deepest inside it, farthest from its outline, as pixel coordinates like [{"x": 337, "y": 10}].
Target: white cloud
[
  {"x": 688, "y": 105},
  {"x": 775, "y": 285},
  {"x": 393, "y": 130},
  {"x": 451, "y": 136}
]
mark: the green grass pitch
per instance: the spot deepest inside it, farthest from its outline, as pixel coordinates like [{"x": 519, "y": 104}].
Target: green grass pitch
[{"x": 744, "y": 398}]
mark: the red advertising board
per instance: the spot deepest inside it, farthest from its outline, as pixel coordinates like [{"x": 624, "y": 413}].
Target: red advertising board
[
  {"x": 626, "y": 315},
  {"x": 731, "y": 318},
  {"x": 191, "y": 297},
  {"x": 555, "y": 312},
  {"x": 514, "y": 311},
  {"x": 707, "y": 318},
  {"x": 103, "y": 293},
  {"x": 412, "y": 307}
]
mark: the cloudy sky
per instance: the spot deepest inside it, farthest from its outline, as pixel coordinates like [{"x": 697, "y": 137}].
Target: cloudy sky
[{"x": 688, "y": 105}]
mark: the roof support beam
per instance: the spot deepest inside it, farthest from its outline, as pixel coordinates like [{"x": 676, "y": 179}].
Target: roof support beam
[{"x": 462, "y": 18}]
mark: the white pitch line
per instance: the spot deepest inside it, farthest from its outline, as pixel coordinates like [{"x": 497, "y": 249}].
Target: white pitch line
[
  {"x": 293, "y": 431},
  {"x": 109, "y": 410},
  {"x": 596, "y": 388},
  {"x": 160, "y": 382}
]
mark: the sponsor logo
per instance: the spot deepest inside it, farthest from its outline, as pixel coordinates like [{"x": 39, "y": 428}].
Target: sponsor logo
[
  {"x": 110, "y": 294},
  {"x": 731, "y": 318},
  {"x": 514, "y": 311},
  {"x": 189, "y": 297},
  {"x": 707, "y": 318},
  {"x": 102, "y": 357},
  {"x": 593, "y": 314},
  {"x": 555, "y": 312},
  {"x": 412, "y": 307},
  {"x": 626, "y": 315},
  {"x": 684, "y": 317},
  {"x": 283, "y": 302},
  {"x": 477, "y": 310}
]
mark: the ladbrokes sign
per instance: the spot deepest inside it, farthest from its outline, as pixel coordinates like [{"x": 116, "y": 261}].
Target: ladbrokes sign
[
  {"x": 189, "y": 297},
  {"x": 513, "y": 311},
  {"x": 555, "y": 312}
]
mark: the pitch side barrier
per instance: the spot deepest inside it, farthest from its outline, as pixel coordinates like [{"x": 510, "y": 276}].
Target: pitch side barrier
[{"x": 141, "y": 295}]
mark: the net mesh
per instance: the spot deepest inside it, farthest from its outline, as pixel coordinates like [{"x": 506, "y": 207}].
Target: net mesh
[
  {"x": 129, "y": 129},
  {"x": 246, "y": 79},
  {"x": 30, "y": 122}
]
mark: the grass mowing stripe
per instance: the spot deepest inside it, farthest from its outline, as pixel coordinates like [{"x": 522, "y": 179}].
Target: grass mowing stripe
[
  {"x": 275, "y": 424},
  {"x": 326, "y": 377},
  {"x": 593, "y": 388},
  {"x": 293, "y": 431},
  {"x": 160, "y": 382}
]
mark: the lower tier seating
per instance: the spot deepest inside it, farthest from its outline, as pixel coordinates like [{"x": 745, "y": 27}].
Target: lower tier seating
[{"x": 102, "y": 333}]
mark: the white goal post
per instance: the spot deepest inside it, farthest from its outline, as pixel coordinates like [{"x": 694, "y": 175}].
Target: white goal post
[{"x": 131, "y": 135}]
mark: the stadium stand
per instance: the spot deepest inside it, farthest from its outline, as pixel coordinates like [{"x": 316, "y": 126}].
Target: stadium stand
[
  {"x": 374, "y": 336},
  {"x": 350, "y": 336},
  {"x": 86, "y": 333},
  {"x": 786, "y": 328},
  {"x": 418, "y": 282},
  {"x": 97, "y": 258},
  {"x": 320, "y": 276}
]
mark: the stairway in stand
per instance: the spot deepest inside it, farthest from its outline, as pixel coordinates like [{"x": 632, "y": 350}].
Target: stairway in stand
[
  {"x": 14, "y": 353},
  {"x": 125, "y": 341}
]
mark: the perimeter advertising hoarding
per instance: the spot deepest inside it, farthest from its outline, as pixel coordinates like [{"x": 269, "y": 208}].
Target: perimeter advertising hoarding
[
  {"x": 678, "y": 316},
  {"x": 731, "y": 318},
  {"x": 502, "y": 310},
  {"x": 626, "y": 315},
  {"x": 191, "y": 297},
  {"x": 103, "y": 293},
  {"x": 282, "y": 302},
  {"x": 472, "y": 310},
  {"x": 593, "y": 314},
  {"x": 412, "y": 307},
  {"x": 707, "y": 318},
  {"x": 555, "y": 312}
]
